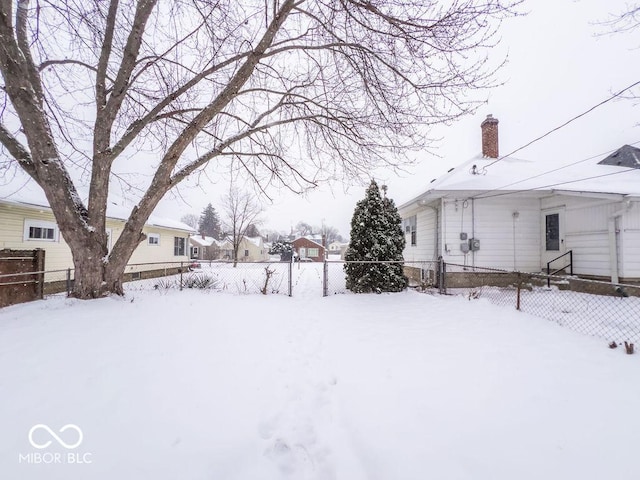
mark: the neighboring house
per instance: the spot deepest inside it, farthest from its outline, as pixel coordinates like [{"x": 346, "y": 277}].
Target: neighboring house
[
  {"x": 518, "y": 215},
  {"x": 26, "y": 223},
  {"x": 202, "y": 247},
  {"x": 305, "y": 247},
  {"x": 338, "y": 248},
  {"x": 252, "y": 249}
]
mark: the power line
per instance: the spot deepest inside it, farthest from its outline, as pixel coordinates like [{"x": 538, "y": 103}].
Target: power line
[
  {"x": 615, "y": 95},
  {"x": 551, "y": 171},
  {"x": 533, "y": 189}
]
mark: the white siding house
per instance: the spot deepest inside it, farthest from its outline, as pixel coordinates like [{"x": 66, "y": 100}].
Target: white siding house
[
  {"x": 513, "y": 214},
  {"x": 26, "y": 223}
]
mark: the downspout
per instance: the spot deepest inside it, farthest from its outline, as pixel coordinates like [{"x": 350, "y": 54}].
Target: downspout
[
  {"x": 473, "y": 230},
  {"x": 613, "y": 246},
  {"x": 436, "y": 244}
]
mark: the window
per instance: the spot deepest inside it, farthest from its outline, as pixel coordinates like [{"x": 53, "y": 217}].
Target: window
[
  {"x": 40, "y": 230},
  {"x": 313, "y": 252},
  {"x": 246, "y": 253},
  {"x": 410, "y": 228},
  {"x": 194, "y": 252},
  {"x": 553, "y": 232},
  {"x": 178, "y": 246},
  {"x": 153, "y": 238}
]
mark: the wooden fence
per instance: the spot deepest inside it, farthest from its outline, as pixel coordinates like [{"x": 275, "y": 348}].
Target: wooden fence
[{"x": 21, "y": 276}]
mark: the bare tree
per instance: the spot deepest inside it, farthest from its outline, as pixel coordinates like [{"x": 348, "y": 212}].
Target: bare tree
[
  {"x": 191, "y": 219},
  {"x": 625, "y": 21},
  {"x": 241, "y": 211},
  {"x": 291, "y": 92},
  {"x": 304, "y": 228},
  {"x": 329, "y": 233}
]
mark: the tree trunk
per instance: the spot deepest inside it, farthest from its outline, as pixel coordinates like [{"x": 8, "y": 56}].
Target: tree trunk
[
  {"x": 89, "y": 271},
  {"x": 97, "y": 272}
]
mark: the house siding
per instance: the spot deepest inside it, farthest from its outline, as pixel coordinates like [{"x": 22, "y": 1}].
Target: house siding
[
  {"x": 586, "y": 232},
  {"x": 491, "y": 221},
  {"x": 424, "y": 250},
  {"x": 58, "y": 254},
  {"x": 257, "y": 253},
  {"x": 630, "y": 235}
]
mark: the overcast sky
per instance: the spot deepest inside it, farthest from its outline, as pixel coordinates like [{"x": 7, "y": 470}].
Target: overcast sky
[{"x": 559, "y": 65}]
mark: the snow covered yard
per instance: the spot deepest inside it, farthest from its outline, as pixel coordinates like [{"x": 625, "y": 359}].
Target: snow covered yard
[{"x": 197, "y": 385}]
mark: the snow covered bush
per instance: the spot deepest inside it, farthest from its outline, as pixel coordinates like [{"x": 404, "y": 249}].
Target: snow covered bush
[
  {"x": 284, "y": 249},
  {"x": 376, "y": 237}
]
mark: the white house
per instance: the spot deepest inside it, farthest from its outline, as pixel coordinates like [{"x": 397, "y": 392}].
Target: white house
[
  {"x": 253, "y": 249},
  {"x": 27, "y": 222},
  {"x": 203, "y": 247},
  {"x": 338, "y": 248},
  {"x": 515, "y": 214}
]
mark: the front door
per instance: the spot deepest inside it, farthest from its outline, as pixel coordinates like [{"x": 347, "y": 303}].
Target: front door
[{"x": 553, "y": 244}]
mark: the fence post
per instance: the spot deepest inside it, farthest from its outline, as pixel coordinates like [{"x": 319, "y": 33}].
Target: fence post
[
  {"x": 39, "y": 254},
  {"x": 325, "y": 278},
  {"x": 443, "y": 277},
  {"x": 518, "y": 292},
  {"x": 291, "y": 276},
  {"x": 68, "y": 281},
  {"x": 181, "y": 269}
]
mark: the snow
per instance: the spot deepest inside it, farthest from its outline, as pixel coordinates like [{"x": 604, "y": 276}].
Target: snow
[
  {"x": 194, "y": 384},
  {"x": 257, "y": 241},
  {"x": 513, "y": 174},
  {"x": 204, "y": 241},
  {"x": 24, "y": 191}
]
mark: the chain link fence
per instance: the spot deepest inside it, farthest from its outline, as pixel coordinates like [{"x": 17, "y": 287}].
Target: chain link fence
[
  {"x": 591, "y": 307},
  {"x": 420, "y": 274},
  {"x": 245, "y": 278},
  {"x": 586, "y": 306}
]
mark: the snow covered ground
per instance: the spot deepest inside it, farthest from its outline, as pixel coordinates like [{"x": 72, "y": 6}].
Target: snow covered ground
[{"x": 202, "y": 385}]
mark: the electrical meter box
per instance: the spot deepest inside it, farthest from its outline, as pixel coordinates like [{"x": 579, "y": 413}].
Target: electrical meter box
[
  {"x": 474, "y": 244},
  {"x": 463, "y": 236},
  {"x": 464, "y": 247}
]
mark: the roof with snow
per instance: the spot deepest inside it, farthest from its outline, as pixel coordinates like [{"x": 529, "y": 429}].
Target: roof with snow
[
  {"x": 205, "y": 241},
  {"x": 26, "y": 192},
  {"x": 485, "y": 177},
  {"x": 626, "y": 156},
  {"x": 311, "y": 238},
  {"x": 257, "y": 241}
]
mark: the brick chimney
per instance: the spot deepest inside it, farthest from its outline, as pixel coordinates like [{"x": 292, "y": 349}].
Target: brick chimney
[{"x": 490, "y": 137}]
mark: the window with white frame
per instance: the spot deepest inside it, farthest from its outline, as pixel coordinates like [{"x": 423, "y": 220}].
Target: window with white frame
[
  {"x": 313, "y": 252},
  {"x": 40, "y": 230},
  {"x": 153, "y": 238},
  {"x": 179, "y": 244},
  {"x": 410, "y": 228}
]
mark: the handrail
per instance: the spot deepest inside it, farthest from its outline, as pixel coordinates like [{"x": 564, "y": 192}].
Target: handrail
[{"x": 570, "y": 265}]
